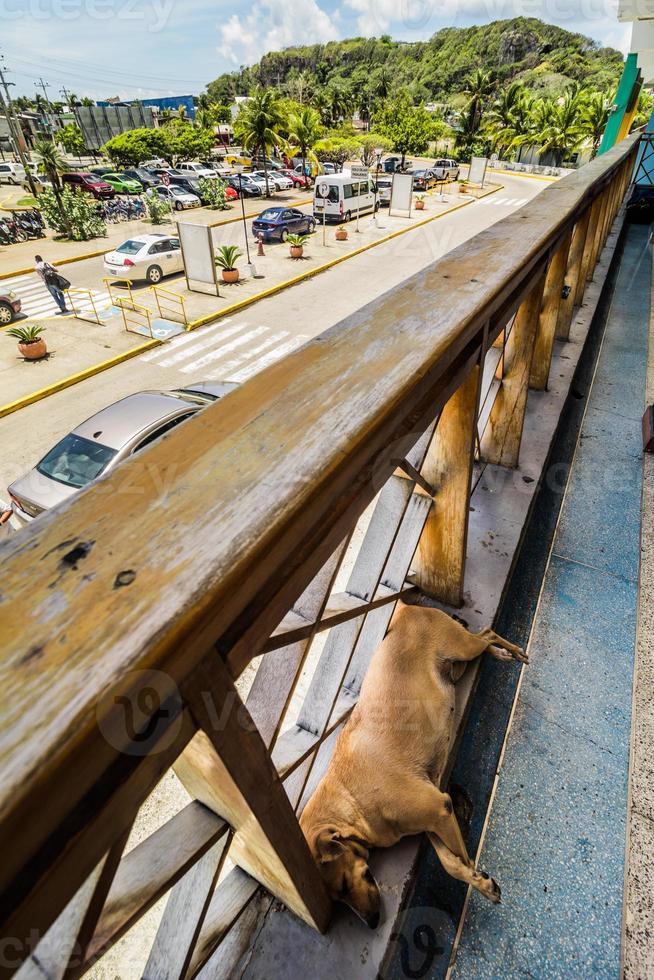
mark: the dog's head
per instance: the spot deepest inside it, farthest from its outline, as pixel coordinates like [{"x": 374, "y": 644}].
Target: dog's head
[{"x": 343, "y": 865}]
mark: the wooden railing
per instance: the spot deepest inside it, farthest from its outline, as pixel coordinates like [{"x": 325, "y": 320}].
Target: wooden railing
[{"x": 129, "y": 613}]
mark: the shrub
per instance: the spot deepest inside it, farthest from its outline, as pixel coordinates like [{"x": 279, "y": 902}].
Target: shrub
[
  {"x": 72, "y": 209},
  {"x": 213, "y": 191},
  {"x": 28, "y": 334},
  {"x": 159, "y": 211}
]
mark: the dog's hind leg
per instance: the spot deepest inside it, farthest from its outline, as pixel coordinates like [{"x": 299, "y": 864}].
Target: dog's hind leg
[
  {"x": 469, "y": 646},
  {"x": 454, "y": 866}
]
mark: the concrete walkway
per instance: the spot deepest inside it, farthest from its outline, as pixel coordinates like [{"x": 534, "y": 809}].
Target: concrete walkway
[{"x": 557, "y": 828}]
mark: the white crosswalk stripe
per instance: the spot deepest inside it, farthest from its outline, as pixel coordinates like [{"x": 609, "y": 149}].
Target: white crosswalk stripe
[
  {"x": 508, "y": 202},
  {"x": 224, "y": 350},
  {"x": 37, "y": 301}
]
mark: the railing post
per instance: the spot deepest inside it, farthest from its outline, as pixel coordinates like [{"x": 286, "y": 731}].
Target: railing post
[
  {"x": 227, "y": 767},
  {"x": 572, "y": 274},
  {"x": 598, "y": 242},
  {"x": 439, "y": 562},
  {"x": 549, "y": 315},
  {"x": 500, "y": 442},
  {"x": 589, "y": 247}
]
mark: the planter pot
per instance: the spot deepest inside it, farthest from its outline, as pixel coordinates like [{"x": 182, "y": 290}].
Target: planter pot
[
  {"x": 231, "y": 275},
  {"x": 420, "y": 205},
  {"x": 463, "y": 189},
  {"x": 32, "y": 352},
  {"x": 341, "y": 236},
  {"x": 297, "y": 251}
]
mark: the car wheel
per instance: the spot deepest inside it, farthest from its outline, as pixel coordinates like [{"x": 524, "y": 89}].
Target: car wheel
[
  {"x": 377, "y": 206},
  {"x": 284, "y": 235},
  {"x": 457, "y": 175},
  {"x": 348, "y": 215},
  {"x": 154, "y": 275},
  {"x": 6, "y": 314},
  {"x": 312, "y": 226},
  {"x": 179, "y": 206}
]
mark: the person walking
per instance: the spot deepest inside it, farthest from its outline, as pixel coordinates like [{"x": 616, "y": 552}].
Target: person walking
[
  {"x": 54, "y": 283},
  {"x": 6, "y": 510}
]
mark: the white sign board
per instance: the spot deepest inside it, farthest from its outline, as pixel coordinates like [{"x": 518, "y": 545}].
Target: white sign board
[
  {"x": 198, "y": 257},
  {"x": 322, "y": 188},
  {"x": 401, "y": 193},
  {"x": 477, "y": 170},
  {"x": 358, "y": 172}
]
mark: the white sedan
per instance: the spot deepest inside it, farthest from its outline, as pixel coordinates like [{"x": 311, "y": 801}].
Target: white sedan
[
  {"x": 177, "y": 197},
  {"x": 275, "y": 179},
  {"x": 149, "y": 257}
]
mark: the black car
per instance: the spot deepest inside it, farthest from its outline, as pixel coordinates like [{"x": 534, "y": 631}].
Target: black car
[
  {"x": 141, "y": 174},
  {"x": 250, "y": 189},
  {"x": 190, "y": 185},
  {"x": 424, "y": 179},
  {"x": 278, "y": 223}
]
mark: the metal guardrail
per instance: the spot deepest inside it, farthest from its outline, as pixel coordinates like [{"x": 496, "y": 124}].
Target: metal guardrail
[
  {"x": 79, "y": 307},
  {"x": 171, "y": 305},
  {"x": 152, "y": 591}
]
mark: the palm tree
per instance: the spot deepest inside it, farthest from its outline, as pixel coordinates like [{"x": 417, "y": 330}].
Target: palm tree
[
  {"x": 595, "y": 116},
  {"x": 504, "y": 117},
  {"x": 382, "y": 83},
  {"x": 479, "y": 86},
  {"x": 340, "y": 101},
  {"x": 261, "y": 122},
  {"x": 204, "y": 118},
  {"x": 51, "y": 163},
  {"x": 305, "y": 129},
  {"x": 562, "y": 129},
  {"x": 181, "y": 112}
]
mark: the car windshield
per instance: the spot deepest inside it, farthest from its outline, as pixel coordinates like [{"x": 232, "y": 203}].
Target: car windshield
[
  {"x": 131, "y": 247},
  {"x": 269, "y": 215},
  {"x": 76, "y": 461},
  {"x": 175, "y": 189}
]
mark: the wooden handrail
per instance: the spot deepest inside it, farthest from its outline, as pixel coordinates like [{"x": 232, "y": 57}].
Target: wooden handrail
[{"x": 197, "y": 548}]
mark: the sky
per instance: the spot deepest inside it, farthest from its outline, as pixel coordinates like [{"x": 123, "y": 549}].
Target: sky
[{"x": 143, "y": 48}]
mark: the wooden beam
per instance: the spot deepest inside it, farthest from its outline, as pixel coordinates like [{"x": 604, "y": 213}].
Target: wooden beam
[
  {"x": 589, "y": 248},
  {"x": 549, "y": 315},
  {"x": 500, "y": 443},
  {"x": 439, "y": 564},
  {"x": 572, "y": 275},
  {"x": 227, "y": 767}
]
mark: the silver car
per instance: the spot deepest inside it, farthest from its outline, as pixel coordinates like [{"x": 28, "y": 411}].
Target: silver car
[
  {"x": 280, "y": 181},
  {"x": 98, "y": 445},
  {"x": 177, "y": 197}
]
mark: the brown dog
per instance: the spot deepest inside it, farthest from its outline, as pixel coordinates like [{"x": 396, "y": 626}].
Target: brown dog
[{"x": 383, "y": 779}]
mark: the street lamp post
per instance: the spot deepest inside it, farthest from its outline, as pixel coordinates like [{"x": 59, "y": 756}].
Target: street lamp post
[{"x": 250, "y": 265}]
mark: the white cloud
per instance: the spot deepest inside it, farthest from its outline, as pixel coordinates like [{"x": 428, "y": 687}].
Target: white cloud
[{"x": 272, "y": 25}]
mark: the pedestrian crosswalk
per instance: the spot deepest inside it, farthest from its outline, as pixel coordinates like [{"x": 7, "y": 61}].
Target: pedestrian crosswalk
[
  {"x": 227, "y": 351},
  {"x": 507, "y": 202},
  {"x": 37, "y": 301}
]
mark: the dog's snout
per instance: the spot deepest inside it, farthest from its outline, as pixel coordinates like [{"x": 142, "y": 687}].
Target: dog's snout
[{"x": 373, "y": 920}]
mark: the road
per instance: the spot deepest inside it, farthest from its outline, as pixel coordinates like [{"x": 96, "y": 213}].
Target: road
[{"x": 239, "y": 347}]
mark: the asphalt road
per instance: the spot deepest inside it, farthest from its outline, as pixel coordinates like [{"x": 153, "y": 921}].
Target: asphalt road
[{"x": 239, "y": 347}]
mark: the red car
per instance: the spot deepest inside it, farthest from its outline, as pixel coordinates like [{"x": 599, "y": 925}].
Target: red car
[
  {"x": 9, "y": 308},
  {"x": 230, "y": 193},
  {"x": 298, "y": 179},
  {"x": 90, "y": 184}
]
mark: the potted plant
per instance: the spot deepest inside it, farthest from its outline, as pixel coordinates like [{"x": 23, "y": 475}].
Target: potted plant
[
  {"x": 341, "y": 233},
  {"x": 30, "y": 342},
  {"x": 420, "y": 202},
  {"x": 297, "y": 245},
  {"x": 463, "y": 186},
  {"x": 227, "y": 257}
]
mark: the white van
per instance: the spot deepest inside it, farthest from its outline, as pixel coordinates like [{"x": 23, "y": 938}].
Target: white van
[
  {"x": 12, "y": 173},
  {"x": 338, "y": 196}
]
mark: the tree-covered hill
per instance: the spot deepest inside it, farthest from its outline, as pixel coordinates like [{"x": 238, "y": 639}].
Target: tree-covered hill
[{"x": 545, "y": 58}]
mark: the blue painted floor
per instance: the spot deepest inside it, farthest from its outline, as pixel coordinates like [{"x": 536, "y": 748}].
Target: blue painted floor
[{"x": 556, "y": 833}]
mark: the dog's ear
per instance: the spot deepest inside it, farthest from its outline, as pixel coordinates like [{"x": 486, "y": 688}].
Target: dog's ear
[{"x": 329, "y": 846}]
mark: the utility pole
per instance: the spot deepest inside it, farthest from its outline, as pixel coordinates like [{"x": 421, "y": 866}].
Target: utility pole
[
  {"x": 14, "y": 126},
  {"x": 48, "y": 106}
]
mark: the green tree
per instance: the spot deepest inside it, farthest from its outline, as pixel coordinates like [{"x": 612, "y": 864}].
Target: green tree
[
  {"x": 337, "y": 150},
  {"x": 407, "y": 127},
  {"x": 71, "y": 213},
  {"x": 261, "y": 123},
  {"x": 368, "y": 144},
  {"x": 185, "y": 142},
  {"x": 562, "y": 131},
  {"x": 51, "y": 164},
  {"x": 72, "y": 140},
  {"x": 305, "y": 129},
  {"x": 128, "y": 149},
  {"x": 595, "y": 116}
]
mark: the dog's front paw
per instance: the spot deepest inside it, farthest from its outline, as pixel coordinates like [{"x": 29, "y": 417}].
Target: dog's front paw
[
  {"x": 488, "y": 887},
  {"x": 509, "y": 653}
]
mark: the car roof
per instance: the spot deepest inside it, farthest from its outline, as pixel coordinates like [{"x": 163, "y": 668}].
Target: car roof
[
  {"x": 117, "y": 424},
  {"x": 146, "y": 239}
]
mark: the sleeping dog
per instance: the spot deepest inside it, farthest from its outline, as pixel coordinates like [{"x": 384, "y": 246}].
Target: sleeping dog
[{"x": 383, "y": 780}]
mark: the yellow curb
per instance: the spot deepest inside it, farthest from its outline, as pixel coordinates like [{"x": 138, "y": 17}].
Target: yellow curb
[
  {"x": 241, "y": 304},
  {"x": 103, "y": 251},
  {"x": 512, "y": 173},
  {"x": 73, "y": 379}
]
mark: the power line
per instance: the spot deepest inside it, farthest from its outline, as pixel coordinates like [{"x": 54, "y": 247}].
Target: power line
[
  {"x": 104, "y": 73},
  {"x": 14, "y": 125}
]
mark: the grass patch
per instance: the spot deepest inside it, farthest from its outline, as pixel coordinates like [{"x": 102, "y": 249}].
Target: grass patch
[{"x": 27, "y": 202}]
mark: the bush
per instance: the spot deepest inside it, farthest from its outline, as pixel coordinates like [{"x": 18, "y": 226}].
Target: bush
[
  {"x": 159, "y": 210},
  {"x": 79, "y": 213},
  {"x": 213, "y": 191}
]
